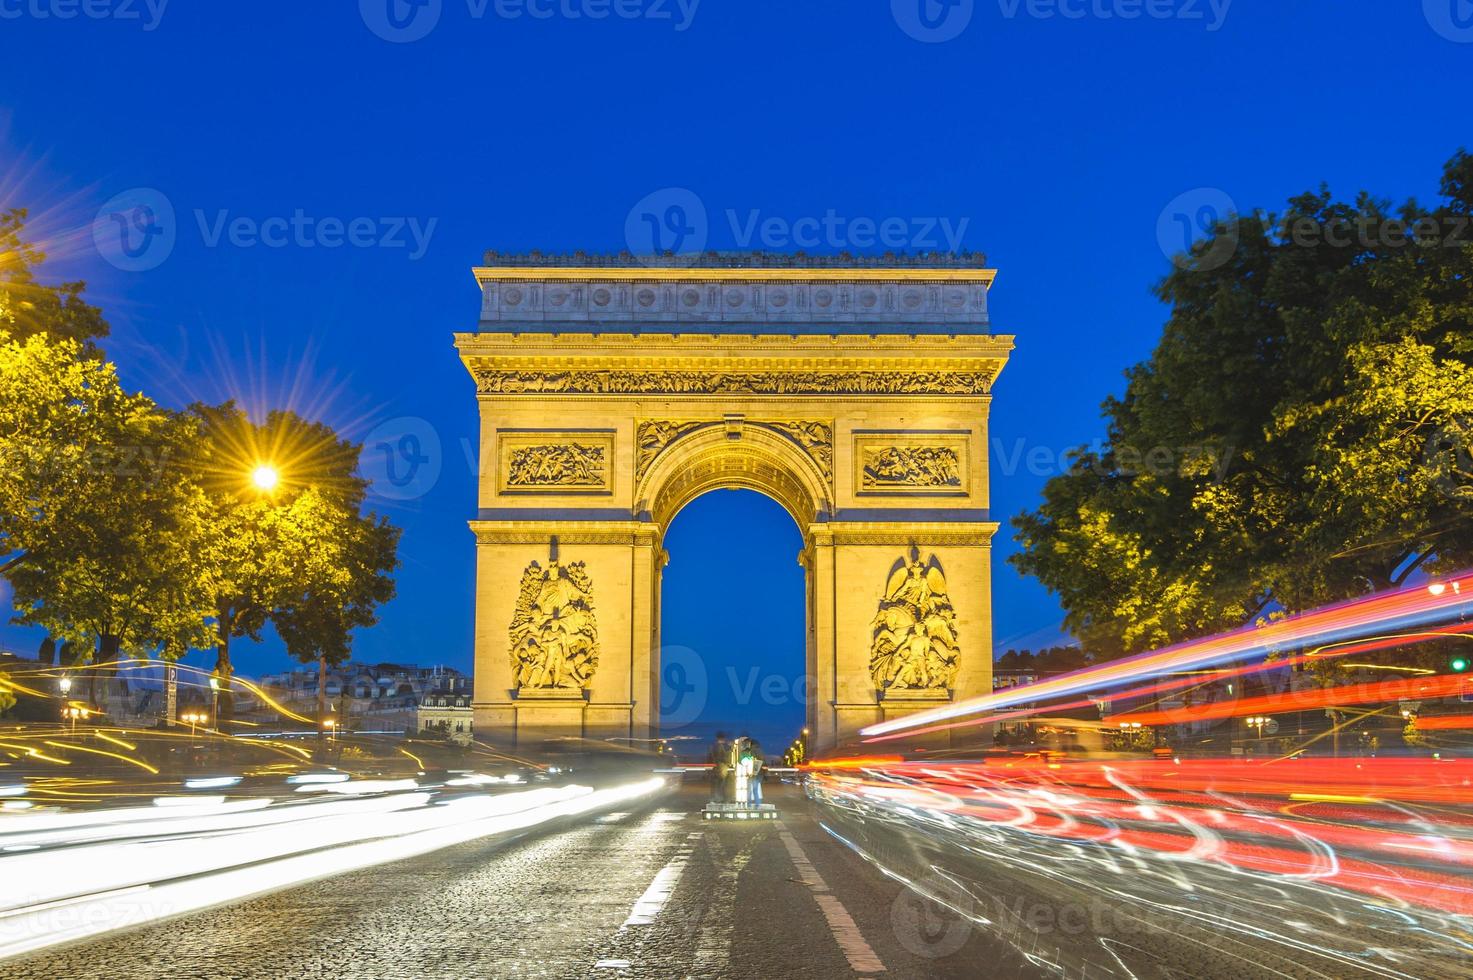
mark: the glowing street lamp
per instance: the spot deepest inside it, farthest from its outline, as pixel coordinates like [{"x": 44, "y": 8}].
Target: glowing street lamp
[
  {"x": 74, "y": 711},
  {"x": 193, "y": 718},
  {"x": 265, "y": 477}
]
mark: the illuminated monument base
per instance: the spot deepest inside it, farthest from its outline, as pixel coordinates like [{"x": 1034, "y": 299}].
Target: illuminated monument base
[{"x": 611, "y": 395}]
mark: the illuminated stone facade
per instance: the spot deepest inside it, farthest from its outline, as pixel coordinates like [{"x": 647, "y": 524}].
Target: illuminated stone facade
[{"x": 612, "y": 394}]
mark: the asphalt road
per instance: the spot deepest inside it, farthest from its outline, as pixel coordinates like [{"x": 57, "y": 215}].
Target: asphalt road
[{"x": 654, "y": 892}]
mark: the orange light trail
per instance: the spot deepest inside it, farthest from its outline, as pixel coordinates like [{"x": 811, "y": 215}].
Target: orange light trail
[
  {"x": 1440, "y": 686},
  {"x": 1384, "y": 612}
]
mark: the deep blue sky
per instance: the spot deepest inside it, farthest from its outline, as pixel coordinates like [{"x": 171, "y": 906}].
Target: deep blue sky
[{"x": 1059, "y": 142}]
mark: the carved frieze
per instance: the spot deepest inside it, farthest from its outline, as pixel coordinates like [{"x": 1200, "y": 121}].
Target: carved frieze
[
  {"x": 914, "y": 646},
  {"x": 583, "y": 295},
  {"x": 571, "y": 465},
  {"x": 491, "y": 381},
  {"x": 653, "y": 436},
  {"x": 554, "y": 636},
  {"x": 814, "y": 438},
  {"x": 817, "y": 440},
  {"x": 555, "y": 462},
  {"x": 911, "y": 462},
  {"x": 922, "y": 467}
]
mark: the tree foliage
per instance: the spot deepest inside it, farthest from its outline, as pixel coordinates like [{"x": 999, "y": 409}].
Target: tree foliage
[
  {"x": 301, "y": 556},
  {"x": 1313, "y": 392},
  {"x": 107, "y": 548},
  {"x": 29, "y": 307},
  {"x": 1052, "y": 660}
]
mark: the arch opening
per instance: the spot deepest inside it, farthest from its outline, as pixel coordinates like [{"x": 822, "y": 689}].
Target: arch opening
[
  {"x": 733, "y": 622},
  {"x": 751, "y": 457}
]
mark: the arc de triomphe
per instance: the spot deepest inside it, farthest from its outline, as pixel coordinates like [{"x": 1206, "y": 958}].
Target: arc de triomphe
[{"x": 612, "y": 393}]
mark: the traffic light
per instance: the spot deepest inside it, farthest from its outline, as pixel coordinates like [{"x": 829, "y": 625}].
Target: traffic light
[{"x": 1458, "y": 664}]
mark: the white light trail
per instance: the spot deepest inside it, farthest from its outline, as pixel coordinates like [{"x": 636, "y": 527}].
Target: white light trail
[{"x": 61, "y": 895}]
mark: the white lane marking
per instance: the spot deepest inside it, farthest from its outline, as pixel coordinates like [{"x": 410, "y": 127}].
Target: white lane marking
[
  {"x": 658, "y": 893},
  {"x": 862, "y": 959}
]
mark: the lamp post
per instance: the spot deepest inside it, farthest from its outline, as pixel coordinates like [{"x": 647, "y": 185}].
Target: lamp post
[
  {"x": 1256, "y": 722},
  {"x": 64, "y": 685},
  {"x": 265, "y": 477}
]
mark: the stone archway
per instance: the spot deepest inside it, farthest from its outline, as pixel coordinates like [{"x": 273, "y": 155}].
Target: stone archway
[{"x": 591, "y": 443}]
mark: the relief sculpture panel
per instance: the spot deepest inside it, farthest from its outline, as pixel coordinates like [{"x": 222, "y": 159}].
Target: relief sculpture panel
[
  {"x": 554, "y": 637},
  {"x": 911, "y": 463},
  {"x": 556, "y": 462},
  {"x": 914, "y": 646}
]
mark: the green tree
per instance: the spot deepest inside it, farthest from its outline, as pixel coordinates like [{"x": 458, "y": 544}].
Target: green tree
[
  {"x": 285, "y": 554},
  {"x": 1298, "y": 436},
  {"x": 105, "y": 535},
  {"x": 340, "y": 590},
  {"x": 28, "y": 307}
]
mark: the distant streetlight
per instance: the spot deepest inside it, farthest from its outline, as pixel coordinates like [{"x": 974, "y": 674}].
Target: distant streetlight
[
  {"x": 74, "y": 711},
  {"x": 193, "y": 718},
  {"x": 265, "y": 477}
]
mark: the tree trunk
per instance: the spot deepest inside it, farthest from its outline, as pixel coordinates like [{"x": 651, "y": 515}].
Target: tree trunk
[
  {"x": 321, "y": 697},
  {"x": 224, "y": 671},
  {"x": 107, "y": 652}
]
